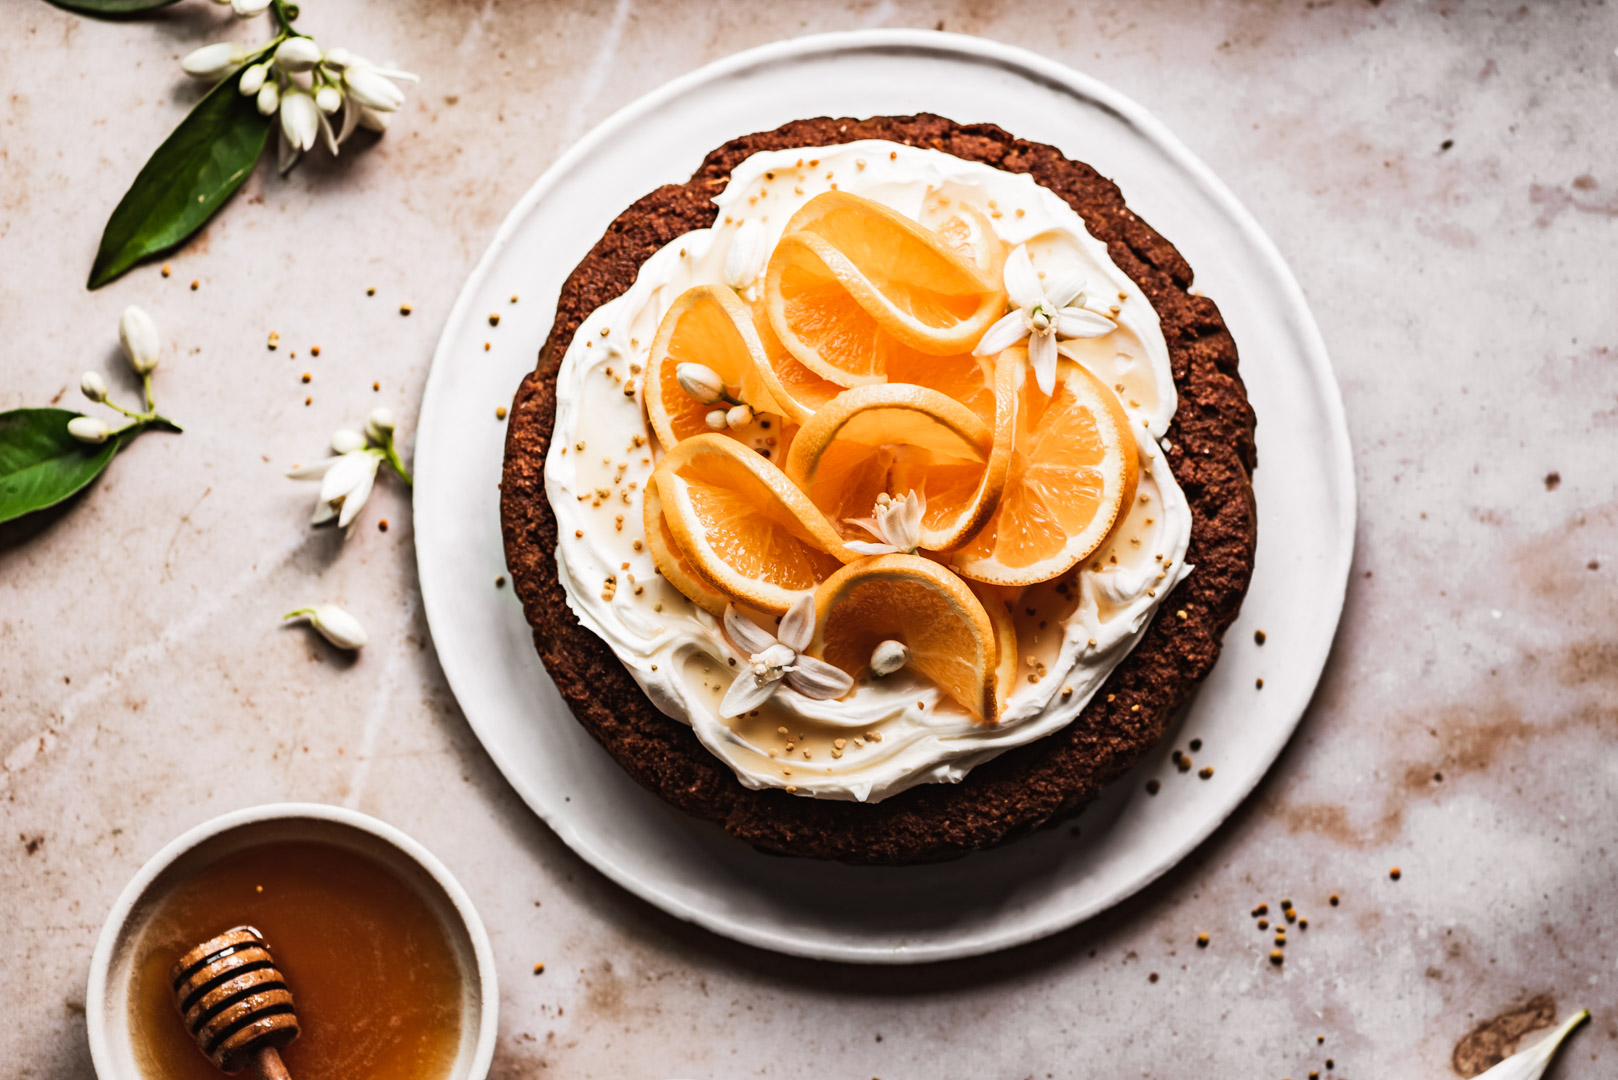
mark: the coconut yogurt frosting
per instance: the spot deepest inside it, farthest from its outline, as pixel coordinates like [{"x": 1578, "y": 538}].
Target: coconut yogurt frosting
[{"x": 892, "y": 733}]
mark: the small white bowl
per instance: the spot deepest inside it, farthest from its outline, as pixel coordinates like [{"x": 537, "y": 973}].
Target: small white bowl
[{"x": 107, "y": 1000}]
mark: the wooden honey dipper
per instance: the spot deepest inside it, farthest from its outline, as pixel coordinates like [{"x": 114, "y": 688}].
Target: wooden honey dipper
[{"x": 235, "y": 1003}]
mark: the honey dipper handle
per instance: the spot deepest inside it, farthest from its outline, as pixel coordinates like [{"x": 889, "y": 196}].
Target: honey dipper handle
[{"x": 267, "y": 1063}]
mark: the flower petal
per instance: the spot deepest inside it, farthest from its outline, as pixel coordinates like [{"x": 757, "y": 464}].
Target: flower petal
[
  {"x": 344, "y": 475},
  {"x": 1022, "y": 280},
  {"x": 819, "y": 680},
  {"x": 1042, "y": 355},
  {"x": 865, "y": 547},
  {"x": 324, "y": 512},
  {"x": 1077, "y": 322},
  {"x": 351, "y": 120},
  {"x": 314, "y": 470},
  {"x": 746, "y": 634},
  {"x": 1005, "y": 333},
  {"x": 354, "y": 501},
  {"x": 287, "y": 154},
  {"x": 745, "y": 694},
  {"x": 1063, "y": 287},
  {"x": 798, "y": 624},
  {"x": 327, "y": 133}
]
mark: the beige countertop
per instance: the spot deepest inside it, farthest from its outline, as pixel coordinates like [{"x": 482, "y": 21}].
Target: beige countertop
[{"x": 1442, "y": 177}]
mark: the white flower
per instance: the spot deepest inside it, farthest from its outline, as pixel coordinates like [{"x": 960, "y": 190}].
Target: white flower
[
  {"x": 700, "y": 381},
  {"x": 300, "y": 118},
  {"x": 738, "y": 416},
  {"x": 269, "y": 98},
  {"x": 247, "y": 9},
  {"x": 744, "y": 262},
  {"x": 138, "y": 335},
  {"x": 894, "y": 522},
  {"x": 334, "y": 624},
  {"x": 774, "y": 659},
  {"x": 1530, "y": 1064},
  {"x": 372, "y": 86},
  {"x": 346, "y": 441},
  {"x": 379, "y": 425},
  {"x": 716, "y": 420},
  {"x": 297, "y": 54},
  {"x": 252, "y": 80},
  {"x": 889, "y": 656},
  {"x": 93, "y": 386},
  {"x": 1044, "y": 312},
  {"x": 214, "y": 61},
  {"x": 329, "y": 99},
  {"x": 345, "y": 483},
  {"x": 87, "y": 429}
]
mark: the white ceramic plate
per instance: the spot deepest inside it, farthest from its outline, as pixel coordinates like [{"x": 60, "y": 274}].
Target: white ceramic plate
[{"x": 990, "y": 900}]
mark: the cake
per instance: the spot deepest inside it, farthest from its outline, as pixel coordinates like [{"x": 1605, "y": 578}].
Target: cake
[{"x": 882, "y": 491}]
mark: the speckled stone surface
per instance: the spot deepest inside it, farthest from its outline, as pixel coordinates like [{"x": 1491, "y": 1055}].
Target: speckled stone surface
[{"x": 1443, "y": 178}]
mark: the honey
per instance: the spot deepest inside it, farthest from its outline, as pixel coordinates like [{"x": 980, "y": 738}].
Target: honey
[{"x": 376, "y": 983}]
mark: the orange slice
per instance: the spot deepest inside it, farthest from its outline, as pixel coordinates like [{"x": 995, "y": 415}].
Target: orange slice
[
  {"x": 670, "y": 563},
  {"x": 896, "y": 439},
  {"x": 1073, "y": 472},
  {"x": 709, "y": 325},
  {"x": 951, "y": 638},
  {"x": 742, "y": 526},
  {"x": 1005, "y": 636},
  {"x": 851, "y": 282},
  {"x": 802, "y": 391},
  {"x": 970, "y": 235}
]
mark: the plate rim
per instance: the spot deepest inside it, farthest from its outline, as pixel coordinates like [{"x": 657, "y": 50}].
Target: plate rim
[{"x": 1029, "y": 64}]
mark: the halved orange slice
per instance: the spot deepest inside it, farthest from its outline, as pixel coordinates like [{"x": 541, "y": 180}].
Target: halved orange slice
[
  {"x": 670, "y": 563},
  {"x": 897, "y": 439},
  {"x": 951, "y": 638},
  {"x": 708, "y": 325},
  {"x": 741, "y": 524},
  {"x": 1074, "y": 467},
  {"x": 851, "y": 281},
  {"x": 1005, "y": 636}
]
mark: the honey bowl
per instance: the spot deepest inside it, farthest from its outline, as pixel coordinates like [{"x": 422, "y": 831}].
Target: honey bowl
[{"x": 389, "y": 965}]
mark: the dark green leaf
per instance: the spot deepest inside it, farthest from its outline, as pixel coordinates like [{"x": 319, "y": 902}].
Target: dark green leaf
[
  {"x": 41, "y": 464},
  {"x": 196, "y": 169},
  {"x": 111, "y": 7}
]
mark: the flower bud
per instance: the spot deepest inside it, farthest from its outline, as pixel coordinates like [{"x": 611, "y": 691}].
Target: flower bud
[
  {"x": 739, "y": 416},
  {"x": 247, "y": 9},
  {"x": 700, "y": 381},
  {"x": 889, "y": 656},
  {"x": 371, "y": 120},
  {"x": 138, "y": 335},
  {"x": 297, "y": 54},
  {"x": 300, "y": 119},
  {"x": 253, "y": 79},
  {"x": 87, "y": 429},
  {"x": 372, "y": 89},
  {"x": 379, "y": 425},
  {"x": 269, "y": 99},
  {"x": 715, "y": 420},
  {"x": 93, "y": 386},
  {"x": 749, "y": 251},
  {"x": 346, "y": 441},
  {"x": 329, "y": 99},
  {"x": 334, "y": 624},
  {"x": 339, "y": 58},
  {"x": 213, "y": 61}
]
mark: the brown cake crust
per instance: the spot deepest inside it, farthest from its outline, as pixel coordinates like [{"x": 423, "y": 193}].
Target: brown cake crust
[{"x": 1026, "y": 788}]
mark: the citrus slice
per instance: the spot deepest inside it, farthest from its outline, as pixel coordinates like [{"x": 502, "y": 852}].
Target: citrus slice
[
  {"x": 851, "y": 280},
  {"x": 709, "y": 325},
  {"x": 970, "y": 235},
  {"x": 742, "y": 526},
  {"x": 897, "y": 439},
  {"x": 801, "y": 391},
  {"x": 1073, "y": 471},
  {"x": 670, "y": 563},
  {"x": 1005, "y": 636},
  {"x": 951, "y": 638}
]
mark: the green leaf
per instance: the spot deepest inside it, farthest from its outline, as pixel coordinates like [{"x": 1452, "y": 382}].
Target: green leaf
[
  {"x": 196, "y": 169},
  {"x": 113, "y": 8},
  {"x": 41, "y": 464}
]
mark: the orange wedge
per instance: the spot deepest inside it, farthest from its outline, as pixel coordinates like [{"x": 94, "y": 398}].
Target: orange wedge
[
  {"x": 709, "y": 325},
  {"x": 670, "y": 563},
  {"x": 852, "y": 281},
  {"x": 742, "y": 526},
  {"x": 1073, "y": 472},
  {"x": 951, "y": 638},
  {"x": 896, "y": 439}
]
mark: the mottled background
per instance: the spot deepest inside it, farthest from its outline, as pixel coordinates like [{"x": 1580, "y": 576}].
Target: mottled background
[{"x": 1443, "y": 178}]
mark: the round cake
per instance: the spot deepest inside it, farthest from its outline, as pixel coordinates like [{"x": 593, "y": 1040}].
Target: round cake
[{"x": 882, "y": 491}]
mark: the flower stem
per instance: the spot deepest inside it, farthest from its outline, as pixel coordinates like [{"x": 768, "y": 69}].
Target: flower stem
[
  {"x": 390, "y": 453},
  {"x": 284, "y": 14},
  {"x": 146, "y": 389}
]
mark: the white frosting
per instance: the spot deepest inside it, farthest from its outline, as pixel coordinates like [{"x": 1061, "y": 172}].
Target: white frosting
[{"x": 892, "y": 733}]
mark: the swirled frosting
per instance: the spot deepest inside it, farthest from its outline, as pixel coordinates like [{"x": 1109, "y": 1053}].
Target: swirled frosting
[{"x": 892, "y": 733}]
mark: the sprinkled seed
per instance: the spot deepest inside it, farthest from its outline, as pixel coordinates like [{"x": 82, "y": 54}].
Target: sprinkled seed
[
  {"x": 1258, "y": 684},
  {"x": 1181, "y": 615},
  {"x": 1394, "y": 873},
  {"x": 494, "y": 319},
  {"x": 1264, "y": 924},
  {"x": 371, "y": 291},
  {"x": 1202, "y": 941},
  {"x": 404, "y": 309},
  {"x": 1196, "y": 744},
  {"x": 1262, "y": 909},
  {"x": 499, "y": 412},
  {"x": 1153, "y": 787},
  {"x": 1205, "y": 772},
  {"x": 1277, "y": 957},
  {"x": 1334, "y": 899},
  {"x": 166, "y": 270},
  {"x": 308, "y": 377},
  {"x": 1259, "y": 636}
]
